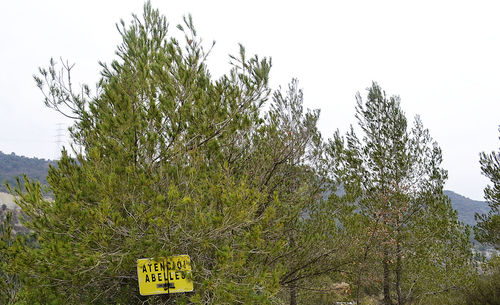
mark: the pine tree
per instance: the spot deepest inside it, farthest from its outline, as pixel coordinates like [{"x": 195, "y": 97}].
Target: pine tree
[
  {"x": 394, "y": 180},
  {"x": 488, "y": 227},
  {"x": 168, "y": 161}
]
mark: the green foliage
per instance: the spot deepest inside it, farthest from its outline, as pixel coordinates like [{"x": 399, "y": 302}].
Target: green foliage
[
  {"x": 166, "y": 160},
  {"x": 169, "y": 161},
  {"x": 485, "y": 288},
  {"x": 488, "y": 227},
  {"x": 413, "y": 242},
  {"x": 9, "y": 285}
]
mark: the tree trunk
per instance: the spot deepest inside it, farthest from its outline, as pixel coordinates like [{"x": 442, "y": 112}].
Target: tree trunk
[
  {"x": 358, "y": 285},
  {"x": 387, "y": 287},
  {"x": 398, "y": 273},
  {"x": 293, "y": 294}
]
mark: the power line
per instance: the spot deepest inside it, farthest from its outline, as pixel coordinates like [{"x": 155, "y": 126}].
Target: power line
[{"x": 60, "y": 132}]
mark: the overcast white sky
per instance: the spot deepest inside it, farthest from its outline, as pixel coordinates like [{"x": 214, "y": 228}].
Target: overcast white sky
[{"x": 441, "y": 57}]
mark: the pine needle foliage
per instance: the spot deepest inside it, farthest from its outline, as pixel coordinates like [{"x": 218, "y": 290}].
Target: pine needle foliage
[
  {"x": 414, "y": 245},
  {"x": 488, "y": 227},
  {"x": 166, "y": 160}
]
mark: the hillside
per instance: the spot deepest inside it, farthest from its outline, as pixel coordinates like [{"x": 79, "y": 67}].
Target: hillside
[
  {"x": 13, "y": 166},
  {"x": 7, "y": 204},
  {"x": 466, "y": 207}
]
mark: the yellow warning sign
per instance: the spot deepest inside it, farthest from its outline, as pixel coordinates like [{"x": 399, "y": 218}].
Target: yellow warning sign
[{"x": 164, "y": 275}]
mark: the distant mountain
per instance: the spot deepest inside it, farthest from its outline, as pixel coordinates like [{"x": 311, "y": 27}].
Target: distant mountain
[
  {"x": 466, "y": 207},
  {"x": 12, "y": 166}
]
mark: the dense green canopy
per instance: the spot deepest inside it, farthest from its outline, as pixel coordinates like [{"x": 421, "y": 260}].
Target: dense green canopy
[{"x": 167, "y": 160}]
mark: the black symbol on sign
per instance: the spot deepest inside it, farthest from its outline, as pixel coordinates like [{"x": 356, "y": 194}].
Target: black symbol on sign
[{"x": 164, "y": 285}]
